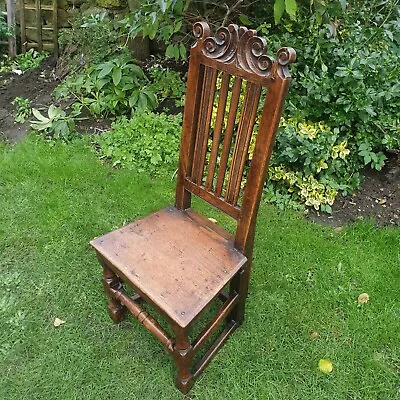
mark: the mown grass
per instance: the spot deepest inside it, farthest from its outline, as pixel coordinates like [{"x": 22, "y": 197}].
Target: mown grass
[{"x": 54, "y": 199}]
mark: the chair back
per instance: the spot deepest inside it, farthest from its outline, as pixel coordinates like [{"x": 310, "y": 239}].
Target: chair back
[{"x": 225, "y": 146}]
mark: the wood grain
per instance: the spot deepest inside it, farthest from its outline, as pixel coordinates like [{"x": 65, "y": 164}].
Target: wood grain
[{"x": 180, "y": 275}]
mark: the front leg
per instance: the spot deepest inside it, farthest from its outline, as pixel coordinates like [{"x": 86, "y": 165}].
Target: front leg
[{"x": 112, "y": 281}]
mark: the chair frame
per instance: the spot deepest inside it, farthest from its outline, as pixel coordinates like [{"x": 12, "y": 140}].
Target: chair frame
[{"x": 237, "y": 52}]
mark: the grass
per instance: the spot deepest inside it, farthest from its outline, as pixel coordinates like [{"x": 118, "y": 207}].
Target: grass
[{"x": 55, "y": 198}]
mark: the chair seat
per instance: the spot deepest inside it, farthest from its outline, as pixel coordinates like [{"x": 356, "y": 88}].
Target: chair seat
[{"x": 178, "y": 259}]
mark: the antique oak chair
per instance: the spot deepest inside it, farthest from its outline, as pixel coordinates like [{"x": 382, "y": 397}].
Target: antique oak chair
[{"x": 176, "y": 260}]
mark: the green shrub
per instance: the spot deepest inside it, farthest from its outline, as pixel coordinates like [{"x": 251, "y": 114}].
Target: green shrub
[
  {"x": 57, "y": 125},
  {"x": 4, "y": 31},
  {"x": 147, "y": 141},
  {"x": 95, "y": 39},
  {"x": 23, "y": 109},
  {"x": 160, "y": 20},
  {"x": 23, "y": 62},
  {"x": 166, "y": 84},
  {"x": 342, "y": 107},
  {"x": 115, "y": 87}
]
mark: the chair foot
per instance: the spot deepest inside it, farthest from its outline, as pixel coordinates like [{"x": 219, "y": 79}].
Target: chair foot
[
  {"x": 184, "y": 385},
  {"x": 116, "y": 312},
  {"x": 183, "y": 355},
  {"x": 115, "y": 309}
]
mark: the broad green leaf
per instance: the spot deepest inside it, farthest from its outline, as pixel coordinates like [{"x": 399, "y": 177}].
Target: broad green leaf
[
  {"x": 178, "y": 26},
  {"x": 39, "y": 116},
  {"x": 133, "y": 99},
  {"x": 142, "y": 102},
  {"x": 136, "y": 70},
  {"x": 244, "y": 19},
  {"x": 176, "y": 52},
  {"x": 169, "y": 52},
  {"x": 151, "y": 98},
  {"x": 106, "y": 70},
  {"x": 182, "y": 51},
  {"x": 54, "y": 112},
  {"x": 116, "y": 75},
  {"x": 279, "y": 8},
  {"x": 119, "y": 92},
  {"x": 153, "y": 30},
  {"x": 291, "y": 8},
  {"x": 100, "y": 83},
  {"x": 318, "y": 17},
  {"x": 40, "y": 126}
]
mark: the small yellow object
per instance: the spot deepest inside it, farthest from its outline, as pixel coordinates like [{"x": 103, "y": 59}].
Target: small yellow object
[
  {"x": 314, "y": 334},
  {"x": 325, "y": 366},
  {"x": 363, "y": 298},
  {"x": 212, "y": 220}
]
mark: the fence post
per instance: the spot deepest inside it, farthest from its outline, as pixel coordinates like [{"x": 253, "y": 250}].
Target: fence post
[{"x": 12, "y": 43}]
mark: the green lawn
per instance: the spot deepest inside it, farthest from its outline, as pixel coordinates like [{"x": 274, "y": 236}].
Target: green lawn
[{"x": 55, "y": 198}]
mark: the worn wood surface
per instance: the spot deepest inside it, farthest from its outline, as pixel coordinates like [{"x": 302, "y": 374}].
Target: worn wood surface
[{"x": 177, "y": 262}]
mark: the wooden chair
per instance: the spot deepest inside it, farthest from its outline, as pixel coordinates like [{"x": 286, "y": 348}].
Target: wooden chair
[{"x": 176, "y": 260}]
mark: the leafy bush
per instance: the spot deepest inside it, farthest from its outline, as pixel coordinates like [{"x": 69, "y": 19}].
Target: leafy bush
[
  {"x": 120, "y": 87},
  {"x": 23, "y": 111},
  {"x": 147, "y": 141},
  {"x": 115, "y": 87},
  {"x": 4, "y": 31},
  {"x": 160, "y": 20},
  {"x": 167, "y": 84},
  {"x": 94, "y": 38},
  {"x": 23, "y": 62},
  {"x": 342, "y": 107},
  {"x": 57, "y": 125}
]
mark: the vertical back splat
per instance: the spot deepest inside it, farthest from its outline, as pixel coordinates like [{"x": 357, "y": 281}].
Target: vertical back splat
[{"x": 227, "y": 75}]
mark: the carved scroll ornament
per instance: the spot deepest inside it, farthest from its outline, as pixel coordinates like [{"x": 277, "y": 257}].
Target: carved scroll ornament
[{"x": 242, "y": 46}]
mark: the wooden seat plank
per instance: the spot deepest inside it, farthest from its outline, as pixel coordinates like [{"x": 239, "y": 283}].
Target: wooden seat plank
[{"x": 174, "y": 259}]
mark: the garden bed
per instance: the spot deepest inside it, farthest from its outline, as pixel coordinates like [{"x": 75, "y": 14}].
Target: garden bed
[
  {"x": 379, "y": 197},
  {"x": 36, "y": 85}
]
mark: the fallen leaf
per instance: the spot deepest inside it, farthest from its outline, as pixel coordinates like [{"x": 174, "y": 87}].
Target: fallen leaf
[
  {"x": 58, "y": 322},
  {"x": 339, "y": 229},
  {"x": 325, "y": 366},
  {"x": 363, "y": 298},
  {"x": 382, "y": 201},
  {"x": 212, "y": 220},
  {"x": 314, "y": 335}
]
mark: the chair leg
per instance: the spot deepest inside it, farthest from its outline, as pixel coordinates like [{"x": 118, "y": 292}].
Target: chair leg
[
  {"x": 115, "y": 308},
  {"x": 240, "y": 285},
  {"x": 183, "y": 355}
]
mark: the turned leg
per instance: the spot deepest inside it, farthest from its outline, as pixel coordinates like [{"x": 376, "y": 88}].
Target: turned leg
[
  {"x": 115, "y": 308},
  {"x": 183, "y": 355}
]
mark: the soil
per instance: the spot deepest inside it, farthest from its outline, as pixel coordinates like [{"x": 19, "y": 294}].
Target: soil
[
  {"x": 36, "y": 85},
  {"x": 377, "y": 199}
]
